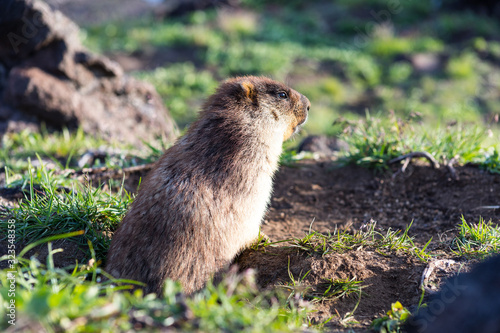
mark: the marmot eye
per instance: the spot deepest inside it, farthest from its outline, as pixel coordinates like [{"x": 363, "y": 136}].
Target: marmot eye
[{"x": 282, "y": 94}]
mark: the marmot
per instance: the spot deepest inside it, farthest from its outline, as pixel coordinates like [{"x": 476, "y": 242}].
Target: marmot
[{"x": 204, "y": 200}]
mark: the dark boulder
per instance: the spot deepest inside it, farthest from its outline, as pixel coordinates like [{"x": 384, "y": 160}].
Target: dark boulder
[
  {"x": 467, "y": 302},
  {"x": 47, "y": 76}
]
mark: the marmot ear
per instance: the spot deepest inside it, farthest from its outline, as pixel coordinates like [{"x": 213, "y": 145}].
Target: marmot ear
[{"x": 249, "y": 91}]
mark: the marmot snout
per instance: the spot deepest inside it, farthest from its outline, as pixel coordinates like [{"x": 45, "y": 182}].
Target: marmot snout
[{"x": 205, "y": 199}]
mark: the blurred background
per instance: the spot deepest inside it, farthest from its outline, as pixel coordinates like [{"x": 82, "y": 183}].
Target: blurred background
[
  {"x": 436, "y": 63},
  {"x": 435, "y": 60}
]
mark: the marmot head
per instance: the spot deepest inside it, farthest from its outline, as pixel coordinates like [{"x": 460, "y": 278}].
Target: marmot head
[{"x": 265, "y": 102}]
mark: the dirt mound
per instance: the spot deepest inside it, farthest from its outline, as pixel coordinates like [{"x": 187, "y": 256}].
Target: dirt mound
[{"x": 385, "y": 279}]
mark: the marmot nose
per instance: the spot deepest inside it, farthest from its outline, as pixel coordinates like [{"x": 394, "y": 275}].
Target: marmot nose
[{"x": 305, "y": 102}]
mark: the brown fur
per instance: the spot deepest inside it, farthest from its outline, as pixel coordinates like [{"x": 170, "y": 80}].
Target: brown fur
[{"x": 205, "y": 199}]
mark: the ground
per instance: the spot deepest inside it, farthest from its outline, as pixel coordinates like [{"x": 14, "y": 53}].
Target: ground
[{"x": 322, "y": 196}]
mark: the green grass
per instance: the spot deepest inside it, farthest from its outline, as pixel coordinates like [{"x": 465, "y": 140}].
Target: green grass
[
  {"x": 492, "y": 161},
  {"x": 476, "y": 240},
  {"x": 76, "y": 299},
  {"x": 395, "y": 241},
  {"x": 261, "y": 242},
  {"x": 375, "y": 141},
  {"x": 330, "y": 289},
  {"x": 301, "y": 294},
  {"x": 132, "y": 35},
  {"x": 62, "y": 151},
  {"x": 290, "y": 157},
  {"x": 334, "y": 289},
  {"x": 390, "y": 46},
  {"x": 182, "y": 88},
  {"x": 49, "y": 209},
  {"x": 296, "y": 287},
  {"x": 238, "y": 305},
  {"x": 60, "y": 147}
]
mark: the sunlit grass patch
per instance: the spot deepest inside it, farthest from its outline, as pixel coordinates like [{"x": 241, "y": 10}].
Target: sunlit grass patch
[
  {"x": 367, "y": 237},
  {"x": 182, "y": 88},
  {"x": 388, "y": 46},
  {"x": 330, "y": 289},
  {"x": 492, "y": 161},
  {"x": 375, "y": 141},
  {"x": 49, "y": 209},
  {"x": 476, "y": 239},
  {"x": 60, "y": 147},
  {"x": 291, "y": 157},
  {"x": 135, "y": 34},
  {"x": 254, "y": 40},
  {"x": 67, "y": 151}
]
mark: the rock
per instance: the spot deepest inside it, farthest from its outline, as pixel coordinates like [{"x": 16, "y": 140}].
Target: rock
[
  {"x": 27, "y": 26},
  {"x": 320, "y": 144},
  {"x": 47, "y": 76},
  {"x": 468, "y": 302},
  {"x": 38, "y": 93}
]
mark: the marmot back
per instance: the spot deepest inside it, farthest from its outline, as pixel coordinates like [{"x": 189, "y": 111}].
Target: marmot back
[{"x": 205, "y": 199}]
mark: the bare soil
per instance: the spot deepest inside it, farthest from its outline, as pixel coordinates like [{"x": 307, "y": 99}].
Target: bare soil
[{"x": 326, "y": 196}]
